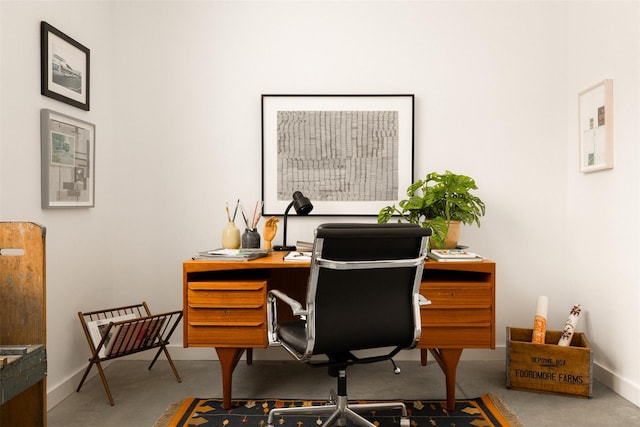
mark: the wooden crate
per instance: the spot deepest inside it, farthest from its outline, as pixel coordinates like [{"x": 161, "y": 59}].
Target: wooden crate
[
  {"x": 549, "y": 367},
  {"x": 21, "y": 366}
]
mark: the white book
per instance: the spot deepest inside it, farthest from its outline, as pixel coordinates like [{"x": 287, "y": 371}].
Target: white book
[
  {"x": 97, "y": 328},
  {"x": 453, "y": 255},
  {"x": 233, "y": 254},
  {"x": 298, "y": 256}
]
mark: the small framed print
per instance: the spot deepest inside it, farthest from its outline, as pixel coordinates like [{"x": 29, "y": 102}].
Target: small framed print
[
  {"x": 595, "y": 115},
  {"x": 68, "y": 161},
  {"x": 349, "y": 154},
  {"x": 64, "y": 67}
]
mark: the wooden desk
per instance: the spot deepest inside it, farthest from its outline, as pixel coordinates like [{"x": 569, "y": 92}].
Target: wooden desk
[{"x": 225, "y": 308}]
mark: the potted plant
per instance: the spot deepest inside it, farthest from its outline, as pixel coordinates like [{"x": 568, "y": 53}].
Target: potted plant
[{"x": 441, "y": 202}]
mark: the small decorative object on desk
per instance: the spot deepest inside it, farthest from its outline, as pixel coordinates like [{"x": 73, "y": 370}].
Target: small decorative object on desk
[
  {"x": 453, "y": 255},
  {"x": 269, "y": 230},
  {"x": 250, "y": 238},
  {"x": 231, "y": 236}
]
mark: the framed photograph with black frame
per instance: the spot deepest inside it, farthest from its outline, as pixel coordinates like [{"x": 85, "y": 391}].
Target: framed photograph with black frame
[
  {"x": 64, "y": 67},
  {"x": 595, "y": 115},
  {"x": 349, "y": 154},
  {"x": 68, "y": 161}
]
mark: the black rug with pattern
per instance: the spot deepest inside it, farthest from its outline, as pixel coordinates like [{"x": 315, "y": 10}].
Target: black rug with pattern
[{"x": 485, "y": 411}]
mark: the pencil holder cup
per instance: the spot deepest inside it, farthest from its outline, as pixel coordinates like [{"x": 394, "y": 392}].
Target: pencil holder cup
[
  {"x": 250, "y": 238},
  {"x": 231, "y": 236}
]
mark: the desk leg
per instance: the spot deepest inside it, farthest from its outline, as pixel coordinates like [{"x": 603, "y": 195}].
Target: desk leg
[
  {"x": 448, "y": 359},
  {"x": 423, "y": 356},
  {"x": 229, "y": 358}
]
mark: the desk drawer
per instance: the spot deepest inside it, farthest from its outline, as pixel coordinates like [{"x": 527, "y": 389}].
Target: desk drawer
[
  {"x": 225, "y": 315},
  {"x": 462, "y": 336},
  {"x": 461, "y": 315},
  {"x": 228, "y": 294},
  {"x": 232, "y": 334},
  {"x": 457, "y": 295},
  {"x": 434, "y": 316}
]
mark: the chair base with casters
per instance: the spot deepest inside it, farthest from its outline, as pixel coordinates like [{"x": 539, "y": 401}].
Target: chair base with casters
[
  {"x": 363, "y": 294},
  {"x": 339, "y": 411}
]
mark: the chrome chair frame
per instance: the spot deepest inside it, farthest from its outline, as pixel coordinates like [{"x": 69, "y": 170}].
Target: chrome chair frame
[{"x": 338, "y": 410}]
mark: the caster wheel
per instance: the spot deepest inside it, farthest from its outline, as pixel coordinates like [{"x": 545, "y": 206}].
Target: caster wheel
[{"x": 332, "y": 397}]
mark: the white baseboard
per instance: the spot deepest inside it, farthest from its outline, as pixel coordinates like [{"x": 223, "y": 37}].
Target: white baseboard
[
  {"x": 276, "y": 353},
  {"x": 623, "y": 387},
  {"x": 58, "y": 393}
]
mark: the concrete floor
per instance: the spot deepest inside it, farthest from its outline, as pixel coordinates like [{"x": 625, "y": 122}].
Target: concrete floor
[{"x": 141, "y": 396}]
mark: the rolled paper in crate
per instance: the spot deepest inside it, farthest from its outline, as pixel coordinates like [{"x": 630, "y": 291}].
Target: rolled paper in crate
[
  {"x": 540, "y": 321},
  {"x": 570, "y": 326}
]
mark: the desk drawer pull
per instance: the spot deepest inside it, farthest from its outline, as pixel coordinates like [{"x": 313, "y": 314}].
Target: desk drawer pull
[
  {"x": 241, "y": 286},
  {"x": 227, "y": 324},
  {"x": 225, "y": 306},
  {"x": 227, "y": 299}
]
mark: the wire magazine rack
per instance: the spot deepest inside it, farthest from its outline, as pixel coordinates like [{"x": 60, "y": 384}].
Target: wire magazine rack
[{"x": 121, "y": 331}]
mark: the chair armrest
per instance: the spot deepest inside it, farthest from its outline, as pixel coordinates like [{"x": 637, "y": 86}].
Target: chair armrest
[
  {"x": 272, "y": 313},
  {"x": 418, "y": 301},
  {"x": 296, "y": 307}
]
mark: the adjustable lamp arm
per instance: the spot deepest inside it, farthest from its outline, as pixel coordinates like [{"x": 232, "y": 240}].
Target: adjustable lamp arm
[
  {"x": 302, "y": 206},
  {"x": 284, "y": 232}
]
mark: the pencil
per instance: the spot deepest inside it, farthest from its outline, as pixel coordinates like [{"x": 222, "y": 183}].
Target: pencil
[
  {"x": 235, "y": 211},
  {"x": 253, "y": 218},
  {"x": 245, "y": 218},
  {"x": 259, "y": 214},
  {"x": 255, "y": 223}
]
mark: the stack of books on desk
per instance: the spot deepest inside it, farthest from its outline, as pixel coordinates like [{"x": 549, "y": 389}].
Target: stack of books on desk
[
  {"x": 232, "y": 254},
  {"x": 453, "y": 255},
  {"x": 304, "y": 246}
]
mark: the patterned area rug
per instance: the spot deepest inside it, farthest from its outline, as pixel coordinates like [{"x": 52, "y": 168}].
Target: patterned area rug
[{"x": 485, "y": 411}]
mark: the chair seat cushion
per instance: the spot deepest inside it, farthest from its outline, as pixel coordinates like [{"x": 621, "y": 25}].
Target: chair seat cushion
[{"x": 294, "y": 335}]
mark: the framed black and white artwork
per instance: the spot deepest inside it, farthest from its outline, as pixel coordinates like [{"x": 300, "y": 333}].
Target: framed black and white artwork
[
  {"x": 64, "y": 67},
  {"x": 349, "y": 154}
]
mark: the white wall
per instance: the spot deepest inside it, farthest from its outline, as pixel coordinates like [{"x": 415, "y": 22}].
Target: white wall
[
  {"x": 603, "y": 207},
  {"x": 478, "y": 112},
  {"x": 176, "y": 98},
  {"x": 80, "y": 242}
]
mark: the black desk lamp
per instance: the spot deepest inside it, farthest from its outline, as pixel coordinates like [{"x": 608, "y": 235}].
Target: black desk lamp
[{"x": 303, "y": 206}]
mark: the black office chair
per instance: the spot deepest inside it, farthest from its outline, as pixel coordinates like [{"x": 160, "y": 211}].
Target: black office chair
[{"x": 363, "y": 293}]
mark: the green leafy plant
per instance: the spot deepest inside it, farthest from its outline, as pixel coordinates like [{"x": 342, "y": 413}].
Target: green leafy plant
[{"x": 437, "y": 200}]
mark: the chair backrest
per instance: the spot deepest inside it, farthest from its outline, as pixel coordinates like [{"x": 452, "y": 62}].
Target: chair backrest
[{"x": 363, "y": 287}]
